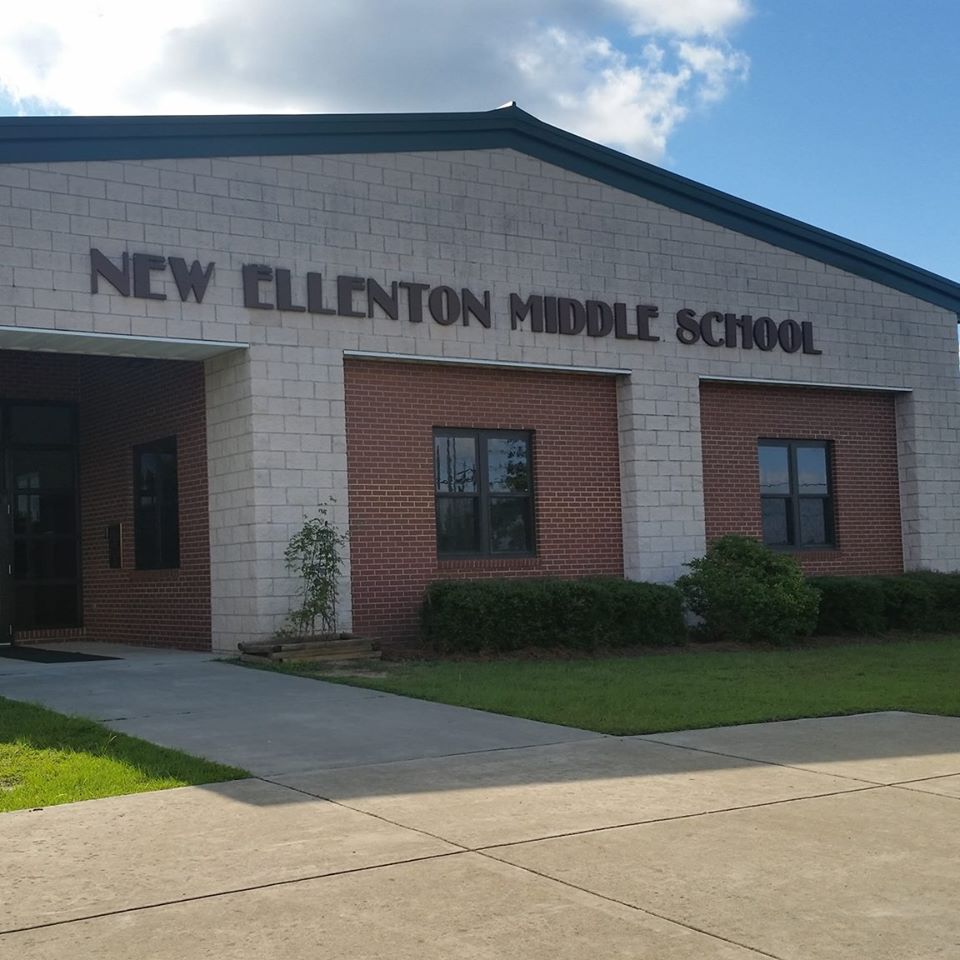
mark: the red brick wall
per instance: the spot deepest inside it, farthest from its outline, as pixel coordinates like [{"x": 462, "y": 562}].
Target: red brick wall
[
  {"x": 392, "y": 409},
  {"x": 123, "y": 402},
  {"x": 38, "y": 376},
  {"x": 126, "y": 402},
  {"x": 862, "y": 428}
]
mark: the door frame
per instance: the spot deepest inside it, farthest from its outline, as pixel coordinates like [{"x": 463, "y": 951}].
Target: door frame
[
  {"x": 8, "y": 585},
  {"x": 6, "y": 562}
]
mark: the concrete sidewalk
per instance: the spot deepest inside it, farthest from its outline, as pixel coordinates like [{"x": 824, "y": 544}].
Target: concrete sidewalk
[
  {"x": 832, "y": 839},
  {"x": 267, "y": 723}
]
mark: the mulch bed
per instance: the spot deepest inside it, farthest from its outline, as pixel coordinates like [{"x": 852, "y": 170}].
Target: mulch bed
[{"x": 408, "y": 654}]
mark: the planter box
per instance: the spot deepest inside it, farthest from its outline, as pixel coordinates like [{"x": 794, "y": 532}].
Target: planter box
[{"x": 331, "y": 647}]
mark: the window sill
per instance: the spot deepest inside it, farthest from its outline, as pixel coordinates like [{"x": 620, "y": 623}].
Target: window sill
[
  {"x": 489, "y": 563},
  {"x": 826, "y": 548}
]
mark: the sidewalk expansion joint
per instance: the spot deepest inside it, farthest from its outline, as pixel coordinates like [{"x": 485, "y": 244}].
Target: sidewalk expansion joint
[
  {"x": 233, "y": 891},
  {"x": 637, "y": 909},
  {"x": 439, "y": 756},
  {"x": 576, "y": 833},
  {"x": 651, "y": 738},
  {"x": 679, "y": 816},
  {"x": 375, "y": 816}
]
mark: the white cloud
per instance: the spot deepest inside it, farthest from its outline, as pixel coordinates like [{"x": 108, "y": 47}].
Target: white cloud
[
  {"x": 686, "y": 18},
  {"x": 624, "y": 72},
  {"x": 716, "y": 67}
]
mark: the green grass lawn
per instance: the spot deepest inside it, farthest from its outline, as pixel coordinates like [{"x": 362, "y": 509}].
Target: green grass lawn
[
  {"x": 684, "y": 690},
  {"x": 47, "y": 758}
]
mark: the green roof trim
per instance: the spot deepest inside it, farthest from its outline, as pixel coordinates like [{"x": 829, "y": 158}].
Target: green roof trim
[{"x": 65, "y": 139}]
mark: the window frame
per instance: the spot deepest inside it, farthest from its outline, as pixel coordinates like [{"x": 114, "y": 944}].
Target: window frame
[
  {"x": 164, "y": 445},
  {"x": 795, "y": 497},
  {"x": 483, "y": 494}
]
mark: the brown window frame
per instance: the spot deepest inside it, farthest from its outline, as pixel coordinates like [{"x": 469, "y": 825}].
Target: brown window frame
[
  {"x": 166, "y": 555},
  {"x": 482, "y": 495},
  {"x": 794, "y": 497}
]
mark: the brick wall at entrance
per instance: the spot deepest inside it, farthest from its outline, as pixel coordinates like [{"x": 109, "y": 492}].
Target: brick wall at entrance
[
  {"x": 41, "y": 377},
  {"x": 125, "y": 403},
  {"x": 862, "y": 428},
  {"x": 391, "y": 411}
]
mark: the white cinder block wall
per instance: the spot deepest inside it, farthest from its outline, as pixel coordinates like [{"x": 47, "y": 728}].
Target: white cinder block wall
[{"x": 492, "y": 220}]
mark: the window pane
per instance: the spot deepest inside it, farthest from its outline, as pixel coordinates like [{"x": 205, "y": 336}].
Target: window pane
[
  {"x": 157, "y": 512},
  {"x": 812, "y": 470},
  {"x": 776, "y": 521},
  {"x": 45, "y": 559},
  {"x": 510, "y": 525},
  {"x": 44, "y": 513},
  {"x": 147, "y": 538},
  {"x": 508, "y": 465},
  {"x": 455, "y": 460},
  {"x": 41, "y": 425},
  {"x": 458, "y": 525},
  {"x": 158, "y": 476},
  {"x": 170, "y": 533},
  {"x": 39, "y": 607},
  {"x": 774, "y": 470},
  {"x": 813, "y": 521},
  {"x": 21, "y": 569},
  {"x": 42, "y": 469}
]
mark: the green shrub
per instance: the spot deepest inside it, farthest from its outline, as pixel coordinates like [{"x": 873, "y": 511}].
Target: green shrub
[
  {"x": 907, "y": 602},
  {"x": 945, "y": 587},
  {"x": 922, "y": 600},
  {"x": 480, "y": 616},
  {"x": 850, "y": 605},
  {"x": 747, "y": 593}
]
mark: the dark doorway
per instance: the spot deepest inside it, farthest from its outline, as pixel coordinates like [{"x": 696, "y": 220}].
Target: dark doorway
[{"x": 39, "y": 543}]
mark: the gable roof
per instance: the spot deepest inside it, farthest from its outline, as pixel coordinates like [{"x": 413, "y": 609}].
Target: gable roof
[{"x": 62, "y": 139}]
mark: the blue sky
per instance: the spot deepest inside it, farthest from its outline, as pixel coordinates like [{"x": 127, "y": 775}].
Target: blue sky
[
  {"x": 841, "y": 114},
  {"x": 849, "y": 120}
]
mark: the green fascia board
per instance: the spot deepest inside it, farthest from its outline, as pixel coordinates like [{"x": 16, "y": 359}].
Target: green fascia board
[{"x": 65, "y": 139}]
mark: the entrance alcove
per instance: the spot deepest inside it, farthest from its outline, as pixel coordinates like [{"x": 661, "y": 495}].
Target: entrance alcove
[{"x": 104, "y": 513}]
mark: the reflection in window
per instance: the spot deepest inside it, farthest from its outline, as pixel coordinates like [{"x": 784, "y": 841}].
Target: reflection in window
[
  {"x": 455, "y": 462},
  {"x": 795, "y": 494},
  {"x": 484, "y": 493},
  {"x": 458, "y": 524},
  {"x": 812, "y": 470},
  {"x": 508, "y": 465},
  {"x": 776, "y": 522},
  {"x": 510, "y": 525},
  {"x": 774, "y": 470}
]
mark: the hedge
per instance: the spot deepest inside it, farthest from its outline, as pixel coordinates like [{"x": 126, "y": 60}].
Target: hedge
[
  {"x": 913, "y": 601},
  {"x": 479, "y": 616}
]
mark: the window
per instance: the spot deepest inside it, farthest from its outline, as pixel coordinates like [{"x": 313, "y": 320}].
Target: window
[
  {"x": 795, "y": 494},
  {"x": 484, "y": 489},
  {"x": 156, "y": 505}
]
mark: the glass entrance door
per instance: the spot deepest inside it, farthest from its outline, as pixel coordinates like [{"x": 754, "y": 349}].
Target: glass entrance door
[
  {"x": 6, "y": 564},
  {"x": 39, "y": 452}
]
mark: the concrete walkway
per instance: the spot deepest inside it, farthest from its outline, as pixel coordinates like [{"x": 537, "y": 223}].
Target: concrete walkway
[
  {"x": 267, "y": 723},
  {"x": 804, "y": 840}
]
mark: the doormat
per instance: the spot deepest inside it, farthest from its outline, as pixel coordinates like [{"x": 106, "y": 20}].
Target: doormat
[{"x": 42, "y": 655}]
